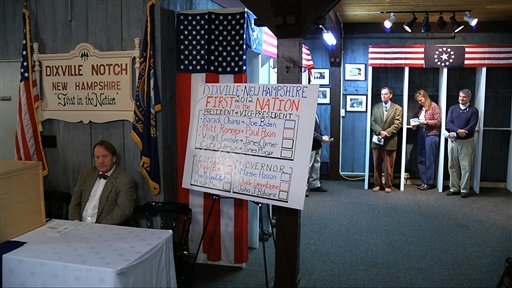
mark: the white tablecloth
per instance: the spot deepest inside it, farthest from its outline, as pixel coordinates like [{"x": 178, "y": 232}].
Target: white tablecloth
[{"x": 74, "y": 254}]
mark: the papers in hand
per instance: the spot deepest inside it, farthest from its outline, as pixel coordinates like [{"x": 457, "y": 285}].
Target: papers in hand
[
  {"x": 378, "y": 140},
  {"x": 414, "y": 121},
  {"x": 445, "y": 134}
]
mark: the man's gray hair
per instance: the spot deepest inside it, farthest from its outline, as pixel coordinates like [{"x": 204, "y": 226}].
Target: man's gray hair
[{"x": 466, "y": 92}]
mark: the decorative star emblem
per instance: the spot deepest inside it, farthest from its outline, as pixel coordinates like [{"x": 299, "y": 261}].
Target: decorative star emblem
[{"x": 444, "y": 56}]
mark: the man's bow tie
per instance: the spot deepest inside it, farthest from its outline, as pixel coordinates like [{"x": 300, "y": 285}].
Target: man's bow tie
[{"x": 102, "y": 176}]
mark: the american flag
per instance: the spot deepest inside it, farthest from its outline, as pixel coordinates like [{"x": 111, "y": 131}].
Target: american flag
[
  {"x": 147, "y": 103},
  {"x": 211, "y": 48},
  {"x": 28, "y": 137},
  {"x": 440, "y": 56}
]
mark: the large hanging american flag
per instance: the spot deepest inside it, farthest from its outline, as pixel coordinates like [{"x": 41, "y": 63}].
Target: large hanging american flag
[
  {"x": 437, "y": 56},
  {"x": 211, "y": 48},
  {"x": 147, "y": 103},
  {"x": 28, "y": 137}
]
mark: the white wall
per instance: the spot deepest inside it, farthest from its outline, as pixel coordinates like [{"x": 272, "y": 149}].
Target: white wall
[{"x": 9, "y": 84}]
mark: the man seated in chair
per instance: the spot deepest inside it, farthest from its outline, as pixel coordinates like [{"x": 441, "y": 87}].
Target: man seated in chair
[{"x": 105, "y": 193}]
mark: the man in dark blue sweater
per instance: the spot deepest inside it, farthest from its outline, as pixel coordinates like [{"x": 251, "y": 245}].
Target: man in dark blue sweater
[{"x": 461, "y": 123}]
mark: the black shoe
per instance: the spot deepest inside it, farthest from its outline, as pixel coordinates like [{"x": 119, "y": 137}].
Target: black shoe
[
  {"x": 426, "y": 187},
  {"x": 318, "y": 189},
  {"x": 451, "y": 193},
  {"x": 464, "y": 195},
  {"x": 420, "y": 186}
]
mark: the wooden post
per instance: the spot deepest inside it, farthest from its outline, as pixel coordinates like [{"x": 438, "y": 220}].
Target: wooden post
[{"x": 289, "y": 71}]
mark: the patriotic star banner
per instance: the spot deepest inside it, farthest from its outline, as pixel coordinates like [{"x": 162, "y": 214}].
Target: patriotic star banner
[
  {"x": 147, "y": 104},
  {"x": 438, "y": 56},
  {"x": 211, "y": 60},
  {"x": 28, "y": 138}
]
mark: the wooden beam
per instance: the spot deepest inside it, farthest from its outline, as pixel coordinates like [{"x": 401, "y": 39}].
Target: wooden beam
[{"x": 289, "y": 71}]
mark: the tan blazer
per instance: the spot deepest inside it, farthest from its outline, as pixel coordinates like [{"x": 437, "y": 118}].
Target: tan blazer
[
  {"x": 391, "y": 124},
  {"x": 117, "y": 199}
]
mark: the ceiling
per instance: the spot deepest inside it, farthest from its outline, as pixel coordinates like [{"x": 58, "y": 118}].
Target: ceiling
[
  {"x": 362, "y": 11},
  {"x": 366, "y": 11}
]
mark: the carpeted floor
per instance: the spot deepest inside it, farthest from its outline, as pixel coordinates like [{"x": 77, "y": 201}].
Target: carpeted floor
[{"x": 358, "y": 238}]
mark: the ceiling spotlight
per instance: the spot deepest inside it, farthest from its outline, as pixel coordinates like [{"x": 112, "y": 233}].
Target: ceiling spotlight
[
  {"x": 426, "y": 25},
  {"x": 441, "y": 23},
  {"x": 390, "y": 20},
  {"x": 408, "y": 26},
  {"x": 328, "y": 37},
  {"x": 456, "y": 25},
  {"x": 471, "y": 20}
]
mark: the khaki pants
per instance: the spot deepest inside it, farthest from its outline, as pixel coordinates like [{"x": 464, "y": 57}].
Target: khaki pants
[{"x": 460, "y": 161}]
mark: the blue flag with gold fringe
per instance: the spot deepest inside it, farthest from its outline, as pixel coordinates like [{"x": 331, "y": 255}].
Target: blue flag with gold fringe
[{"x": 147, "y": 103}]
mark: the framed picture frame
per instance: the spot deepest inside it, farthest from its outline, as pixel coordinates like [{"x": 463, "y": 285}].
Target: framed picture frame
[
  {"x": 355, "y": 72},
  {"x": 320, "y": 76},
  {"x": 356, "y": 103},
  {"x": 324, "y": 95}
]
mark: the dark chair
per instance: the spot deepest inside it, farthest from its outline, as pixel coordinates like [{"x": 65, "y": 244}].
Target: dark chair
[
  {"x": 171, "y": 216},
  {"x": 56, "y": 204}
]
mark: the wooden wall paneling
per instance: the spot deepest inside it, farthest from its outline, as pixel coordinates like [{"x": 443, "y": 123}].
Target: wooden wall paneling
[
  {"x": 133, "y": 21},
  {"x": 10, "y": 12},
  {"x": 71, "y": 154},
  {"x": 51, "y": 27},
  {"x": 353, "y": 124},
  {"x": 104, "y": 24}
]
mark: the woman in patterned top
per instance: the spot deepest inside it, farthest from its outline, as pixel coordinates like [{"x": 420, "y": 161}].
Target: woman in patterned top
[{"x": 429, "y": 116}]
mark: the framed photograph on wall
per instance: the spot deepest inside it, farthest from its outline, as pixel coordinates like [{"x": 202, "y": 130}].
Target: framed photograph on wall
[
  {"x": 356, "y": 103},
  {"x": 324, "y": 95},
  {"x": 355, "y": 72},
  {"x": 320, "y": 76}
]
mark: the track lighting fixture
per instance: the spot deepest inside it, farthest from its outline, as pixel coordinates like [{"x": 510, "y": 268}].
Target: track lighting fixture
[
  {"x": 441, "y": 23},
  {"x": 425, "y": 27},
  {"x": 389, "y": 22},
  {"x": 471, "y": 20},
  {"x": 408, "y": 25},
  {"x": 328, "y": 37},
  {"x": 456, "y": 25}
]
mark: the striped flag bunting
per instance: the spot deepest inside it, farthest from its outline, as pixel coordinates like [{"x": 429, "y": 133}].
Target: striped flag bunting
[
  {"x": 270, "y": 48},
  {"x": 428, "y": 56},
  {"x": 28, "y": 138},
  {"x": 488, "y": 56},
  {"x": 396, "y": 56}
]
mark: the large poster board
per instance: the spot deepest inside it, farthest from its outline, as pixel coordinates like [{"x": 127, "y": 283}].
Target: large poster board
[{"x": 251, "y": 141}]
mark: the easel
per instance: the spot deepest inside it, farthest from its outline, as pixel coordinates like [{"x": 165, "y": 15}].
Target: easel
[{"x": 264, "y": 235}]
